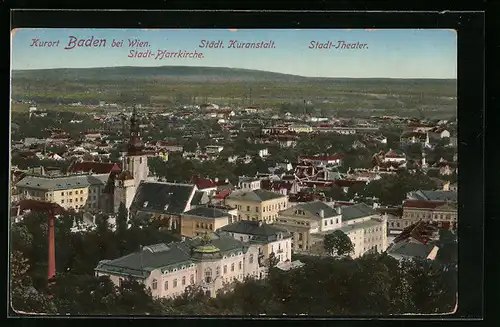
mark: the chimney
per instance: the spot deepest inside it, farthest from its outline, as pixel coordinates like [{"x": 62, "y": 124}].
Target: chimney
[
  {"x": 322, "y": 213},
  {"x": 216, "y": 179},
  {"x": 226, "y": 180},
  {"x": 260, "y": 223},
  {"x": 339, "y": 211}
]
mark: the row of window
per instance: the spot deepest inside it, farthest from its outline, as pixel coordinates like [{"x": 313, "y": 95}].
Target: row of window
[
  {"x": 154, "y": 284},
  {"x": 331, "y": 221},
  {"x": 203, "y": 225},
  {"x": 71, "y": 200},
  {"x": 71, "y": 193},
  {"x": 271, "y": 207},
  {"x": 428, "y": 215}
]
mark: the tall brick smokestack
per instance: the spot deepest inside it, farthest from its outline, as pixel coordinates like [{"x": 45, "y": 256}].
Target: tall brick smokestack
[{"x": 51, "y": 271}]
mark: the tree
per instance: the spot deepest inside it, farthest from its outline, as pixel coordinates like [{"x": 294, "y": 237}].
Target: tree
[
  {"x": 338, "y": 243},
  {"x": 24, "y": 297},
  {"x": 122, "y": 219}
]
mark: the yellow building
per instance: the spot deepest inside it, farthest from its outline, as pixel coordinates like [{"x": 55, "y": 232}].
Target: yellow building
[
  {"x": 70, "y": 192},
  {"x": 257, "y": 204},
  {"x": 198, "y": 221}
]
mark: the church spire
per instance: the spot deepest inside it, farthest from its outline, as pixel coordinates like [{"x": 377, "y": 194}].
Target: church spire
[{"x": 134, "y": 143}]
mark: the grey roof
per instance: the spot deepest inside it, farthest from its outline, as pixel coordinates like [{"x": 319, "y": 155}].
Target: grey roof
[
  {"x": 315, "y": 207},
  {"x": 199, "y": 197},
  {"x": 175, "y": 254},
  {"x": 409, "y": 249},
  {"x": 206, "y": 212},
  {"x": 361, "y": 225},
  {"x": 162, "y": 197},
  {"x": 255, "y": 228},
  {"x": 58, "y": 183},
  {"x": 433, "y": 195},
  {"x": 98, "y": 179},
  {"x": 255, "y": 195},
  {"x": 359, "y": 210}
]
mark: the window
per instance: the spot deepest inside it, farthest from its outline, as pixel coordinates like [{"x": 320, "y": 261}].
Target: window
[
  {"x": 263, "y": 209},
  {"x": 241, "y": 238},
  {"x": 256, "y": 209},
  {"x": 62, "y": 201},
  {"x": 208, "y": 275},
  {"x": 70, "y": 193},
  {"x": 76, "y": 199},
  {"x": 165, "y": 285},
  {"x": 191, "y": 279},
  {"x": 197, "y": 225},
  {"x": 81, "y": 191},
  {"x": 248, "y": 208},
  {"x": 183, "y": 280},
  {"x": 210, "y": 226},
  {"x": 140, "y": 160},
  {"x": 81, "y": 199},
  {"x": 217, "y": 271},
  {"x": 232, "y": 267},
  {"x": 62, "y": 193},
  {"x": 251, "y": 258},
  {"x": 240, "y": 265},
  {"x": 225, "y": 269},
  {"x": 70, "y": 201},
  {"x": 326, "y": 222},
  {"x": 154, "y": 285},
  {"x": 175, "y": 283}
]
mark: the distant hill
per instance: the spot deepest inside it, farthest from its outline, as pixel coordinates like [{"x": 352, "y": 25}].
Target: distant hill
[
  {"x": 189, "y": 74},
  {"x": 163, "y": 73}
]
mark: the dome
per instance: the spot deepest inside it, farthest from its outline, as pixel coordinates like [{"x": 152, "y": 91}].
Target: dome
[{"x": 207, "y": 248}]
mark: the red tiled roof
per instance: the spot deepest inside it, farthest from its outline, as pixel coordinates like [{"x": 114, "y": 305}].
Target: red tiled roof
[
  {"x": 96, "y": 167},
  {"x": 421, "y": 232},
  {"x": 204, "y": 183},
  {"x": 223, "y": 194},
  {"x": 422, "y": 204}
]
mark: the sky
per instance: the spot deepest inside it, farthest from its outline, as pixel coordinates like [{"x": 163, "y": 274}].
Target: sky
[{"x": 387, "y": 53}]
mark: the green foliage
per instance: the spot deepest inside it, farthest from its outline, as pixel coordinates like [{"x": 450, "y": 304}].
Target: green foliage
[
  {"x": 122, "y": 219},
  {"x": 338, "y": 243},
  {"x": 392, "y": 189}
]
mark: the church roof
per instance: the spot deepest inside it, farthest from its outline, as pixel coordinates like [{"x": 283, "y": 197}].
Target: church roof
[{"x": 163, "y": 197}]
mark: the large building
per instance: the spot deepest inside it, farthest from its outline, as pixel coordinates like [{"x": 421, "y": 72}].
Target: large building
[
  {"x": 70, "y": 192},
  {"x": 269, "y": 238},
  {"x": 310, "y": 222},
  {"x": 211, "y": 262},
  {"x": 306, "y": 219},
  {"x": 443, "y": 214},
  {"x": 257, "y": 204}
]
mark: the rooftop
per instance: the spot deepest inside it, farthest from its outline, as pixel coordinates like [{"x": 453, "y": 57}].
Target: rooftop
[
  {"x": 55, "y": 183},
  {"x": 429, "y": 195},
  {"x": 409, "y": 249},
  {"x": 361, "y": 225},
  {"x": 168, "y": 256},
  {"x": 256, "y": 228},
  {"x": 359, "y": 210},
  {"x": 162, "y": 197},
  {"x": 255, "y": 195}
]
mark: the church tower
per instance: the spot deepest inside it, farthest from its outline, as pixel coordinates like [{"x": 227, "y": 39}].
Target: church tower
[{"x": 134, "y": 166}]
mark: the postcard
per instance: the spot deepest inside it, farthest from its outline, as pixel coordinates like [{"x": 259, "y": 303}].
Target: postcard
[{"x": 233, "y": 172}]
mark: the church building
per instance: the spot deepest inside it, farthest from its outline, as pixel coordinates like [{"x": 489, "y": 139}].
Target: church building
[{"x": 134, "y": 167}]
